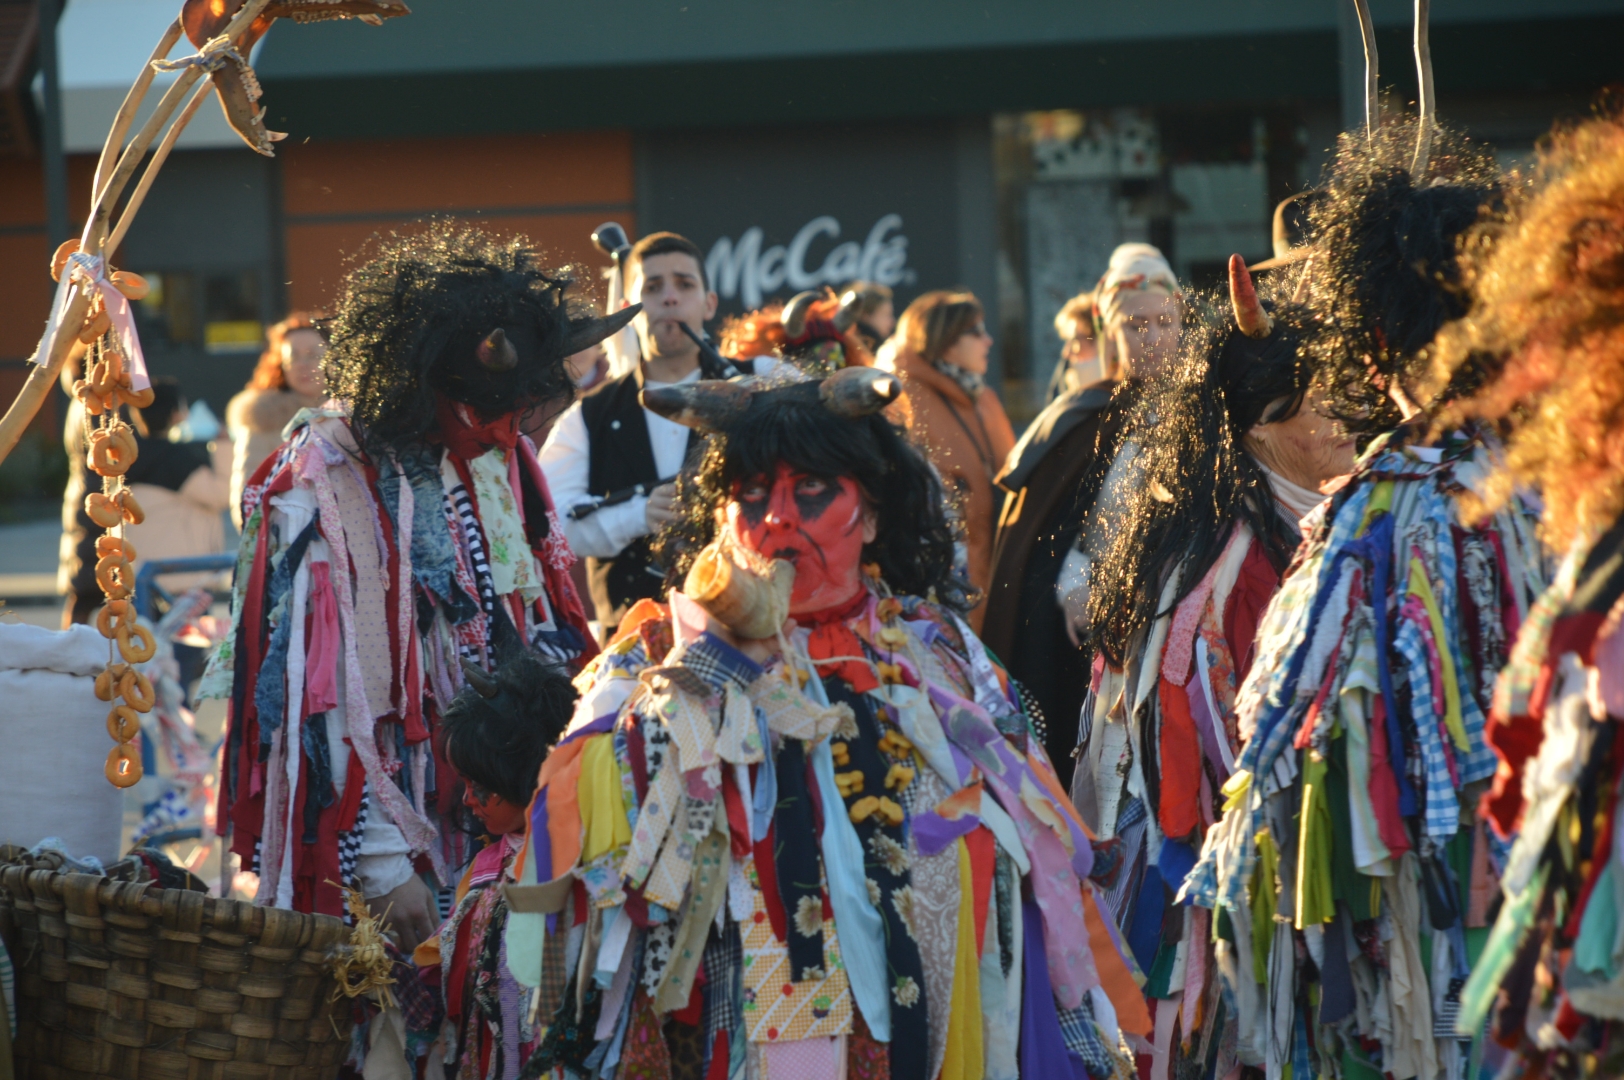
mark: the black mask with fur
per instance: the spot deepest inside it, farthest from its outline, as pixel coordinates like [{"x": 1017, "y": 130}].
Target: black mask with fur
[
  {"x": 499, "y": 742},
  {"x": 1386, "y": 274},
  {"x": 411, "y": 321}
]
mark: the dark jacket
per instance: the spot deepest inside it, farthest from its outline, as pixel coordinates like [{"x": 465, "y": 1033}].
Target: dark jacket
[{"x": 1042, "y": 516}]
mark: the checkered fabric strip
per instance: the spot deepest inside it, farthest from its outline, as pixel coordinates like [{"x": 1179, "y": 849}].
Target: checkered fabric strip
[
  {"x": 719, "y": 663},
  {"x": 1442, "y": 814},
  {"x": 724, "y": 990},
  {"x": 349, "y": 850},
  {"x": 1082, "y": 1037}
]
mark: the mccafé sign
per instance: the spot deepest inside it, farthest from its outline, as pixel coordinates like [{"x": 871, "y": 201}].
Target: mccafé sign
[{"x": 740, "y": 268}]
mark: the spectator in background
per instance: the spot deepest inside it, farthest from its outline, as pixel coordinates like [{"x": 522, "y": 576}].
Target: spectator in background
[
  {"x": 1079, "y": 364},
  {"x": 178, "y": 487},
  {"x": 286, "y": 379},
  {"x": 878, "y": 315},
  {"x": 941, "y": 356}
]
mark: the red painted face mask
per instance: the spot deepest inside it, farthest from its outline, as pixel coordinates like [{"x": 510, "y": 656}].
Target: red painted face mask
[{"x": 816, "y": 524}]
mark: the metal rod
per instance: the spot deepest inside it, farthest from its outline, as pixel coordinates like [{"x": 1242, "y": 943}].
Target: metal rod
[
  {"x": 1367, "y": 33},
  {"x": 1424, "y": 92},
  {"x": 56, "y": 163}
]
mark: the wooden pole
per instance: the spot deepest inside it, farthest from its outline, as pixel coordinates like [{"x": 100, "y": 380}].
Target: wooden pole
[{"x": 46, "y": 369}]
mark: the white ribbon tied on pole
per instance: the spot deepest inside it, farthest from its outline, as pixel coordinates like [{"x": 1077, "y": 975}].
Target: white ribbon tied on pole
[{"x": 92, "y": 270}]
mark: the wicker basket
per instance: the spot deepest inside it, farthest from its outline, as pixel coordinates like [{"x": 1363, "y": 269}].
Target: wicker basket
[{"x": 125, "y": 980}]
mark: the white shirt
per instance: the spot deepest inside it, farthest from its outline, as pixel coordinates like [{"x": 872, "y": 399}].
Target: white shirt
[{"x": 566, "y": 459}]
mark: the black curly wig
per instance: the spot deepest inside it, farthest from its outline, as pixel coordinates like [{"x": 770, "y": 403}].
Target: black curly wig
[
  {"x": 1194, "y": 478},
  {"x": 1386, "y": 275},
  {"x": 412, "y": 316},
  {"x": 913, "y": 545},
  {"x": 500, "y": 742}
]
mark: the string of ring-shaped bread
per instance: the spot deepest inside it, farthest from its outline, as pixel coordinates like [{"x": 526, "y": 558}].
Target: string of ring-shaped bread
[{"x": 123, "y": 765}]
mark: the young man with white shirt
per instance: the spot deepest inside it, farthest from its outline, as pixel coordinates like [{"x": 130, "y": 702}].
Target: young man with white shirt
[{"x": 611, "y": 463}]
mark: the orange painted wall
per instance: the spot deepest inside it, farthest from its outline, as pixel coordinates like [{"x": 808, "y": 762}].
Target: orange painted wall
[
  {"x": 552, "y": 188},
  {"x": 25, "y": 279}
]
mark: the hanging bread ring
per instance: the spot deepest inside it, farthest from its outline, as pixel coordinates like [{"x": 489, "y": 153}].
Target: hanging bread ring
[
  {"x": 129, "y": 651},
  {"x": 100, "y": 379},
  {"x": 107, "y": 545},
  {"x": 133, "y": 514},
  {"x": 114, "y": 615},
  {"x": 60, "y": 258},
  {"x": 107, "y": 683},
  {"x": 123, "y": 766},
  {"x": 113, "y": 577},
  {"x": 136, "y": 690},
  {"x": 123, "y": 724},
  {"x": 104, "y": 510},
  {"x": 133, "y": 286},
  {"x": 112, "y": 451},
  {"x": 139, "y": 398},
  {"x": 97, "y": 325},
  {"x": 93, "y": 402}
]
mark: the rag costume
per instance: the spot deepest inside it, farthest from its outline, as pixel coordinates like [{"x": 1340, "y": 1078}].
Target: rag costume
[
  {"x": 855, "y": 860},
  {"x": 1348, "y": 877},
  {"x": 1179, "y": 579},
  {"x": 383, "y": 545}
]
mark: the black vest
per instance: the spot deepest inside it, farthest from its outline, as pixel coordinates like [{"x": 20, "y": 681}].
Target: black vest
[{"x": 620, "y": 456}]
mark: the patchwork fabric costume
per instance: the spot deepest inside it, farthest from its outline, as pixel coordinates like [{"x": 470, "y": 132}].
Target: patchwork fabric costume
[
  {"x": 854, "y": 860},
  {"x": 381, "y": 548}
]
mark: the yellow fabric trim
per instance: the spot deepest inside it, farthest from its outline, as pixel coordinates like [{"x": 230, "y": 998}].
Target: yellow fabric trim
[
  {"x": 1421, "y": 587},
  {"x": 603, "y": 813},
  {"x": 965, "y": 1059}
]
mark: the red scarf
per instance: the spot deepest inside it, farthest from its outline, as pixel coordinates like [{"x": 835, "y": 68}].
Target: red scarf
[
  {"x": 467, "y": 434},
  {"x": 832, "y": 635}
]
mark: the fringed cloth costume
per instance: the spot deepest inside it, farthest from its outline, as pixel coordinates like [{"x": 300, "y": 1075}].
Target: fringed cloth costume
[
  {"x": 856, "y": 860},
  {"x": 723, "y": 824},
  {"x": 382, "y": 547},
  {"x": 1349, "y": 834},
  {"x": 360, "y": 586},
  {"x": 1181, "y": 578}
]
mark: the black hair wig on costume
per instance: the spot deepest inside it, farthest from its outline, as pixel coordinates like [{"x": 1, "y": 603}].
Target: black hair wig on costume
[
  {"x": 499, "y": 742},
  {"x": 1194, "y": 479},
  {"x": 913, "y": 545},
  {"x": 412, "y": 317},
  {"x": 1385, "y": 274}
]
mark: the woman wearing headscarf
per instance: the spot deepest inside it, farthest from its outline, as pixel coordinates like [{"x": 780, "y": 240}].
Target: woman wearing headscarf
[
  {"x": 942, "y": 360},
  {"x": 1137, "y": 313}
]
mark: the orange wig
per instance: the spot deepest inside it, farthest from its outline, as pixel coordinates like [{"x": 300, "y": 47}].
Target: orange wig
[
  {"x": 761, "y": 332},
  {"x": 1550, "y": 310}
]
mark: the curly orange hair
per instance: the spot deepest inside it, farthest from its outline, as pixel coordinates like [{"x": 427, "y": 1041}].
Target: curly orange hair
[
  {"x": 761, "y": 332},
  {"x": 268, "y": 373},
  {"x": 1550, "y": 308}
]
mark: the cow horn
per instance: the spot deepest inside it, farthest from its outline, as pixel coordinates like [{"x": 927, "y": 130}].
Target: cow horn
[
  {"x": 851, "y": 307},
  {"x": 795, "y": 313},
  {"x": 856, "y": 392},
  {"x": 479, "y": 679},
  {"x": 1424, "y": 95},
  {"x": 496, "y": 352},
  {"x": 589, "y": 333},
  {"x": 1253, "y": 321},
  {"x": 709, "y": 405}
]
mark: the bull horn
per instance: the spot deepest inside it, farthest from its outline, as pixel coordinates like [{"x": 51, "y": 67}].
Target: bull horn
[
  {"x": 856, "y": 392},
  {"x": 709, "y": 405},
  {"x": 851, "y": 306},
  {"x": 795, "y": 313},
  {"x": 587, "y": 334},
  {"x": 479, "y": 679},
  {"x": 1253, "y": 321},
  {"x": 496, "y": 352},
  {"x": 1367, "y": 34}
]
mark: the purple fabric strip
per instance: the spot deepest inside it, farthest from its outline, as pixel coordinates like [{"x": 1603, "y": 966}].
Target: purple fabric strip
[
  {"x": 1043, "y": 1048},
  {"x": 933, "y": 832},
  {"x": 1206, "y": 724},
  {"x": 594, "y": 727}
]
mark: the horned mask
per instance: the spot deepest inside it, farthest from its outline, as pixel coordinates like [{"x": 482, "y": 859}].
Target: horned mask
[{"x": 714, "y": 405}]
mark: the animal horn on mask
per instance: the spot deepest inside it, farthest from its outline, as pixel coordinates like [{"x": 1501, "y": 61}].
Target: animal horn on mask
[
  {"x": 496, "y": 352},
  {"x": 855, "y": 392},
  {"x": 1253, "y": 321},
  {"x": 479, "y": 679},
  {"x": 709, "y": 405},
  {"x": 795, "y": 313},
  {"x": 592, "y": 331},
  {"x": 851, "y": 306}
]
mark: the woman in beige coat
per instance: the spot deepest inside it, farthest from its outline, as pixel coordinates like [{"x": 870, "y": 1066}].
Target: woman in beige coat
[
  {"x": 941, "y": 354},
  {"x": 287, "y": 379}
]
